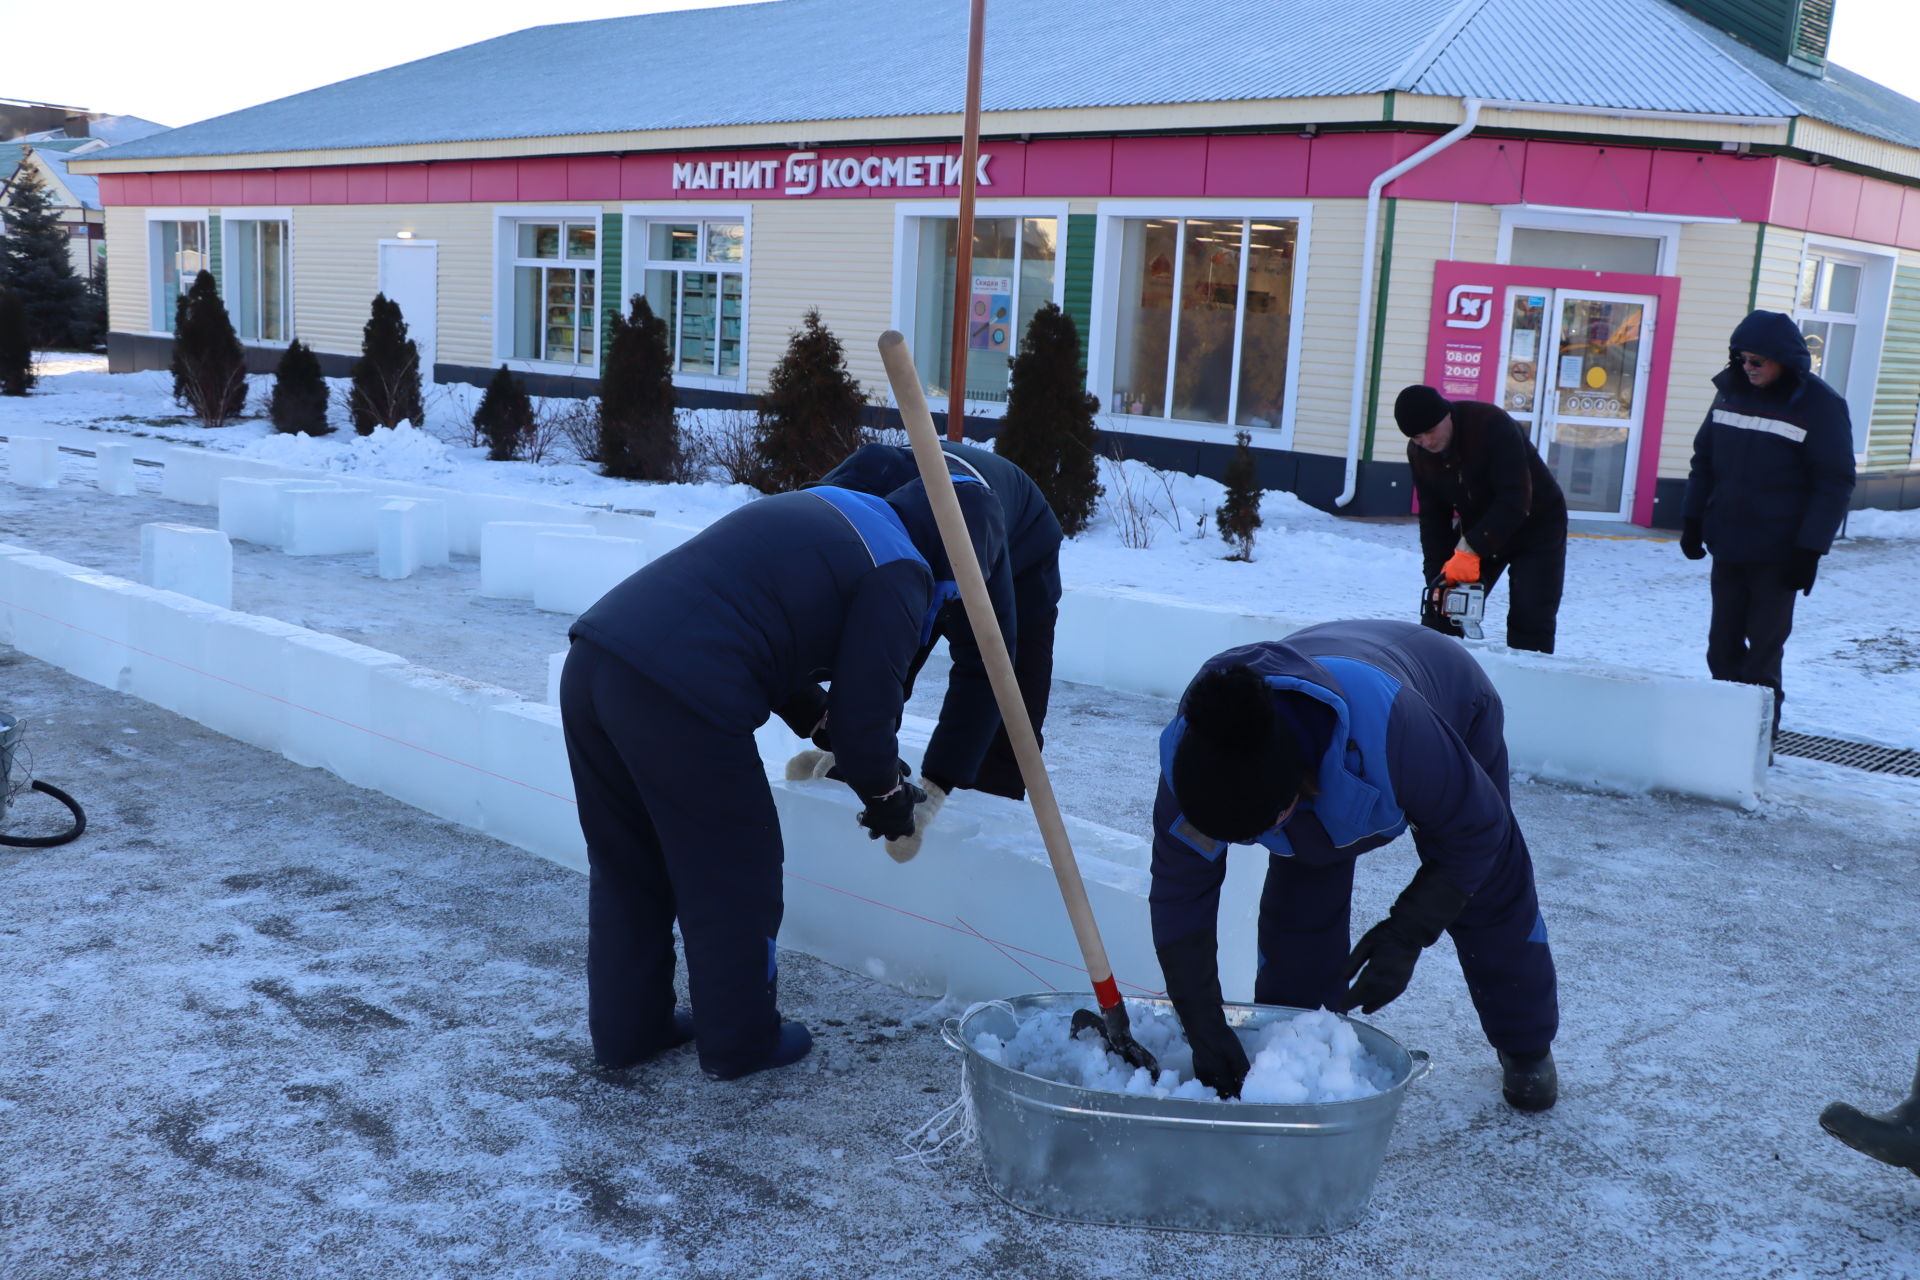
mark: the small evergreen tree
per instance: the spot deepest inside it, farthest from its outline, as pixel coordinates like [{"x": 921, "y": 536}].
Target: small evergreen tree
[
  {"x": 386, "y": 377},
  {"x": 299, "y": 399},
  {"x": 89, "y": 332},
  {"x": 209, "y": 367},
  {"x": 1048, "y": 429},
  {"x": 34, "y": 262},
  {"x": 639, "y": 438},
  {"x": 505, "y": 416},
  {"x": 811, "y": 412},
  {"x": 1239, "y": 514},
  {"x": 16, "y": 347}
]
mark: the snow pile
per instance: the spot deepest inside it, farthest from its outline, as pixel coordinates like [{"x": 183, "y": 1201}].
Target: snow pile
[
  {"x": 1309, "y": 1058},
  {"x": 400, "y": 453}
]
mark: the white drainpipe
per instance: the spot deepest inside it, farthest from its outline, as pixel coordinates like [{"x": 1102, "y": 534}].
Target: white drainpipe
[{"x": 1363, "y": 331}]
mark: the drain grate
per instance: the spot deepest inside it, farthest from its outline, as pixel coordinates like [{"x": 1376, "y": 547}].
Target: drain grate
[{"x": 1858, "y": 755}]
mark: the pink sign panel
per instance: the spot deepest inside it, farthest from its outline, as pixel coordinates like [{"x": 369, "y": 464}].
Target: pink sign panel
[{"x": 1469, "y": 317}]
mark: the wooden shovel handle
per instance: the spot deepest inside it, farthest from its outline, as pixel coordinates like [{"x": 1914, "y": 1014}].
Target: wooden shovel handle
[{"x": 993, "y": 649}]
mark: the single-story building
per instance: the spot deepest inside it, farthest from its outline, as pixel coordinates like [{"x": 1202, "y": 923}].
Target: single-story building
[{"x": 1265, "y": 215}]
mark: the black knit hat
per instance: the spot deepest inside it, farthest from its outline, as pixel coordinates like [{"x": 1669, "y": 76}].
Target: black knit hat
[
  {"x": 1419, "y": 409},
  {"x": 1238, "y": 765}
]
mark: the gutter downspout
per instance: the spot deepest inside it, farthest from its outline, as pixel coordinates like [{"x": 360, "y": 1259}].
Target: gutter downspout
[{"x": 1363, "y": 333}]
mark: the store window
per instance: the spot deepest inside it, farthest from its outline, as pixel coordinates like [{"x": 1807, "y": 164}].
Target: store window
[
  {"x": 256, "y": 275},
  {"x": 554, "y": 296},
  {"x": 695, "y": 279},
  {"x": 1203, "y": 323},
  {"x": 178, "y": 253},
  {"x": 1827, "y": 310},
  {"x": 1585, "y": 251},
  {"x": 1015, "y": 271}
]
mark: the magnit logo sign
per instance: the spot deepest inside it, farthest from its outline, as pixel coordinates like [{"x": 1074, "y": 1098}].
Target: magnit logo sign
[
  {"x": 806, "y": 173},
  {"x": 1469, "y": 306}
]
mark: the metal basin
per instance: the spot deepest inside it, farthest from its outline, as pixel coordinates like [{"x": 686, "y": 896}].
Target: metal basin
[{"x": 1115, "y": 1159}]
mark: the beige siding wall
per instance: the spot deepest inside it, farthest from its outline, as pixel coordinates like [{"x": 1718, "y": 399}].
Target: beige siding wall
[
  {"x": 1424, "y": 232},
  {"x": 128, "y": 302},
  {"x": 836, "y": 255},
  {"x": 1716, "y": 275},
  {"x": 1325, "y": 353},
  {"x": 336, "y": 272}
]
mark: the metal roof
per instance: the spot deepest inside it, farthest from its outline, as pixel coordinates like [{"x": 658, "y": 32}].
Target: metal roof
[
  {"x": 1632, "y": 54},
  {"x": 805, "y": 60}
]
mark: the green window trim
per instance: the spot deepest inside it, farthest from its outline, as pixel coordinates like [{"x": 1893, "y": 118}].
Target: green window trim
[
  {"x": 1077, "y": 294},
  {"x": 612, "y": 232},
  {"x": 214, "y": 258}
]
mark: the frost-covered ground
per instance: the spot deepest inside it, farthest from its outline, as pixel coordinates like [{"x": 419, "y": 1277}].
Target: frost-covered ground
[{"x": 259, "y": 1022}]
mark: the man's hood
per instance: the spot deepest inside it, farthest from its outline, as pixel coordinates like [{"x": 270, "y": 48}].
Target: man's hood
[{"x": 1774, "y": 335}]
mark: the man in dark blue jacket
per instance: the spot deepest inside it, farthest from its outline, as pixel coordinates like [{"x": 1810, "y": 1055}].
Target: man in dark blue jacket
[
  {"x": 969, "y": 747},
  {"x": 669, "y": 675},
  {"x": 1772, "y": 475},
  {"x": 1321, "y": 747}
]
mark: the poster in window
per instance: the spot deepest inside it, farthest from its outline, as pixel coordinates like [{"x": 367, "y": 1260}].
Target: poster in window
[{"x": 990, "y": 315}]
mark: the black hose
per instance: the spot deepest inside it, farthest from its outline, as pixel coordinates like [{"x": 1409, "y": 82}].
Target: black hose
[{"x": 48, "y": 842}]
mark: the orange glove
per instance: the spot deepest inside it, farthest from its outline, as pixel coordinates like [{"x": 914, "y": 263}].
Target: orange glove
[{"x": 1463, "y": 567}]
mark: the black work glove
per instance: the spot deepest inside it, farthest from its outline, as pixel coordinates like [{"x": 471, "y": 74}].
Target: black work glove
[
  {"x": 1384, "y": 957},
  {"x": 1693, "y": 544},
  {"x": 806, "y": 714},
  {"x": 1192, "y": 969},
  {"x": 1802, "y": 565},
  {"x": 891, "y": 815}
]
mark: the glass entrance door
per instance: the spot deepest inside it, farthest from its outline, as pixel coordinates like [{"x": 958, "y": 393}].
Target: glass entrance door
[{"x": 1573, "y": 369}]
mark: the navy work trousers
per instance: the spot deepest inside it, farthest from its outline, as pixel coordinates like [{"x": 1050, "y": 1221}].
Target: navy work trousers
[
  {"x": 1036, "y": 599},
  {"x": 680, "y": 826},
  {"x": 1752, "y": 618},
  {"x": 1501, "y": 937}
]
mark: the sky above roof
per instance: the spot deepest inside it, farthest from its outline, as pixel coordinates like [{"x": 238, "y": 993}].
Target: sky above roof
[{"x": 1871, "y": 38}]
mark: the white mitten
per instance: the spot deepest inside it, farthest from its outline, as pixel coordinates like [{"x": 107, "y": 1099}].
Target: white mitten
[
  {"x": 811, "y": 763},
  {"x": 903, "y": 849}
]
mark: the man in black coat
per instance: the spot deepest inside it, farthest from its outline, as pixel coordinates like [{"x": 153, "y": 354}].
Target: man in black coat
[
  {"x": 668, "y": 676},
  {"x": 969, "y": 747},
  {"x": 1771, "y": 478},
  {"x": 1487, "y": 504}
]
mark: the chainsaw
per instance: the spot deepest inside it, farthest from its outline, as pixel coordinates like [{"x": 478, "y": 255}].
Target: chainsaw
[{"x": 1459, "y": 605}]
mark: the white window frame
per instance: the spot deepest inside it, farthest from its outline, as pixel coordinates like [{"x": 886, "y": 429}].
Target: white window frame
[
  {"x": 1598, "y": 222},
  {"x": 1877, "y": 264},
  {"x": 155, "y": 273},
  {"x": 256, "y": 213},
  {"x": 1106, "y": 283},
  {"x": 634, "y": 265},
  {"x": 506, "y": 220},
  {"x": 906, "y": 271}
]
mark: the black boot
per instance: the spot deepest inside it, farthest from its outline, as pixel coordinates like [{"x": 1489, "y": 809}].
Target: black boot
[
  {"x": 1529, "y": 1081},
  {"x": 1891, "y": 1138}
]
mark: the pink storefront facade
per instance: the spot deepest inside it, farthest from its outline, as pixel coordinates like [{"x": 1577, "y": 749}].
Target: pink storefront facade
[{"x": 1592, "y": 303}]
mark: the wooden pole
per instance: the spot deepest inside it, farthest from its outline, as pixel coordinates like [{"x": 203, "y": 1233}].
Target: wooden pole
[
  {"x": 963, "y": 249},
  {"x": 993, "y": 649}
]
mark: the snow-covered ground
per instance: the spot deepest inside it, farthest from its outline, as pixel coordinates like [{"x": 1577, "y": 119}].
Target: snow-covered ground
[{"x": 262, "y": 1023}]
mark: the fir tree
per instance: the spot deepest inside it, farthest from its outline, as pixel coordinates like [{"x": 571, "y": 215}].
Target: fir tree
[
  {"x": 16, "y": 349},
  {"x": 505, "y": 416},
  {"x": 299, "y": 399},
  {"x": 1239, "y": 513},
  {"x": 386, "y": 377},
  {"x": 811, "y": 412},
  {"x": 34, "y": 262},
  {"x": 639, "y": 436},
  {"x": 1048, "y": 429},
  {"x": 209, "y": 367}
]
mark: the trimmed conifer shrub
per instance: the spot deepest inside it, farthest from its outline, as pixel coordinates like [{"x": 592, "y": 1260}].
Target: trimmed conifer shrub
[
  {"x": 1239, "y": 513},
  {"x": 505, "y": 416},
  {"x": 299, "y": 399},
  {"x": 1048, "y": 429},
  {"x": 639, "y": 437},
  {"x": 386, "y": 377},
  {"x": 811, "y": 414},
  {"x": 16, "y": 346},
  {"x": 209, "y": 367},
  {"x": 35, "y": 264}
]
